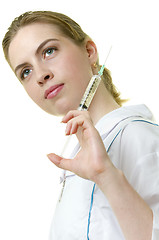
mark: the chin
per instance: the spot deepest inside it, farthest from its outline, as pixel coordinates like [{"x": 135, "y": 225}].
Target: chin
[
  {"x": 61, "y": 108},
  {"x": 58, "y": 113}
]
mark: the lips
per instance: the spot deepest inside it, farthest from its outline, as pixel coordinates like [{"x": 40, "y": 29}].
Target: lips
[{"x": 53, "y": 91}]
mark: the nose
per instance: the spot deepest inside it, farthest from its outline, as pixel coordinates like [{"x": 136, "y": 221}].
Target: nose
[{"x": 44, "y": 76}]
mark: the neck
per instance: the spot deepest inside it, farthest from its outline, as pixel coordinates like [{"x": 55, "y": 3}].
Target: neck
[{"x": 102, "y": 103}]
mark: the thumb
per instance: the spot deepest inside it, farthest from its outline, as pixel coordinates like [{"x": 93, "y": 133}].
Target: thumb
[{"x": 59, "y": 161}]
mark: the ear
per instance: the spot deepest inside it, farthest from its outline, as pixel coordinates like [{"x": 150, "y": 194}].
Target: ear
[{"x": 92, "y": 51}]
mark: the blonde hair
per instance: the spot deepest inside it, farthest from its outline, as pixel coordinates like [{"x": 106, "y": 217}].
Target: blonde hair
[{"x": 67, "y": 26}]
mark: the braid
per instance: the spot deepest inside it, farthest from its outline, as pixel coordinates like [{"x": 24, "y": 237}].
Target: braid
[{"x": 107, "y": 79}]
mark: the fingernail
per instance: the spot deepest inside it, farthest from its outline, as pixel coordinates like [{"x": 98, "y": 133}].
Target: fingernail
[{"x": 49, "y": 156}]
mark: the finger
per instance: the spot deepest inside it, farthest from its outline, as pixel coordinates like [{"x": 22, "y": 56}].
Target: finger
[
  {"x": 60, "y": 162},
  {"x": 74, "y": 113},
  {"x": 68, "y": 128},
  {"x": 73, "y": 124}
]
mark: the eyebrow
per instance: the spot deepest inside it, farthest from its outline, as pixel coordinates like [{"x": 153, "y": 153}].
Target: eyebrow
[{"x": 37, "y": 51}]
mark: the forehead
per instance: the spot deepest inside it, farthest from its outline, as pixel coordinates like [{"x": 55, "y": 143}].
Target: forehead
[{"x": 29, "y": 37}]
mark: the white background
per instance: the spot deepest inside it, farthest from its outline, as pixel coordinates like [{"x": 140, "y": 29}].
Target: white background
[{"x": 29, "y": 183}]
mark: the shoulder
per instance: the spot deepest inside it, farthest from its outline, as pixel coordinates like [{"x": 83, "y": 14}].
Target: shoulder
[
  {"x": 139, "y": 138},
  {"x": 141, "y": 130}
]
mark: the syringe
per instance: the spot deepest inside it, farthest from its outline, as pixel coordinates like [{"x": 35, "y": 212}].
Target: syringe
[{"x": 92, "y": 87}]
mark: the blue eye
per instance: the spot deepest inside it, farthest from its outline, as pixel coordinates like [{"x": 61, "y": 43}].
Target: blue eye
[
  {"x": 25, "y": 73},
  {"x": 49, "y": 51}
]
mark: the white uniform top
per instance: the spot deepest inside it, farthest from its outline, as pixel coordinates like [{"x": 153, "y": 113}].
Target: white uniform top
[{"x": 133, "y": 146}]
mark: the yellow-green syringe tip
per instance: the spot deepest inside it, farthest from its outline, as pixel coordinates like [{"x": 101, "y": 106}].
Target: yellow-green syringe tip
[{"x": 101, "y": 70}]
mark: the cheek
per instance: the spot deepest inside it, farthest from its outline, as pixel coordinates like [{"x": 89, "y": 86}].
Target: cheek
[
  {"x": 33, "y": 92},
  {"x": 78, "y": 70},
  {"x": 70, "y": 64},
  {"x": 76, "y": 61}
]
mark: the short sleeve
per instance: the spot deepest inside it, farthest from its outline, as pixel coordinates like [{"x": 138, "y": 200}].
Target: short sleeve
[
  {"x": 155, "y": 231},
  {"x": 139, "y": 161}
]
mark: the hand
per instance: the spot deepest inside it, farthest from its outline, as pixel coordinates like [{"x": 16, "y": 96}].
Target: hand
[{"x": 92, "y": 159}]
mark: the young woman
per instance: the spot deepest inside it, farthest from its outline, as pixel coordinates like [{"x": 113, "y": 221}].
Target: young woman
[{"x": 111, "y": 177}]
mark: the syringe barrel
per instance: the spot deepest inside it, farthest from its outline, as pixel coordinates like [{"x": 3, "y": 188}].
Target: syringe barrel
[{"x": 89, "y": 93}]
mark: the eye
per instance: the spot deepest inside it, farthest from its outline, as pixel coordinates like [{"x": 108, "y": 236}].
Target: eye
[
  {"x": 25, "y": 73},
  {"x": 49, "y": 51}
]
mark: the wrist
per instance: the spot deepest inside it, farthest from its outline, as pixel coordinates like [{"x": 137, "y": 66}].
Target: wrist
[{"x": 108, "y": 177}]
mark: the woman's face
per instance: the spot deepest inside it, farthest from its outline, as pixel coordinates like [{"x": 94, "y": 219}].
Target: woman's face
[{"x": 53, "y": 70}]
